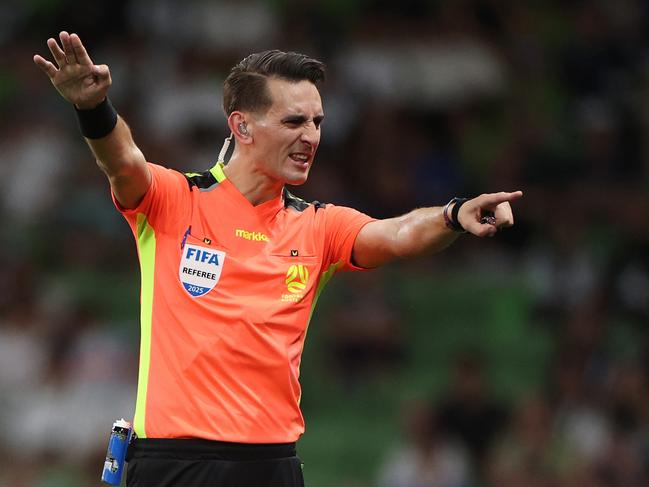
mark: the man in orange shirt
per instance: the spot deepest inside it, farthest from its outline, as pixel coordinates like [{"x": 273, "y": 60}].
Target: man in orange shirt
[{"x": 232, "y": 265}]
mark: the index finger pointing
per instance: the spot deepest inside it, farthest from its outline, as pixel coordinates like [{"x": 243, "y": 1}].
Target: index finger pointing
[
  {"x": 497, "y": 198},
  {"x": 79, "y": 51}
]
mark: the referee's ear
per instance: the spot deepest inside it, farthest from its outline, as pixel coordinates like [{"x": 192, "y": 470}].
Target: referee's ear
[{"x": 238, "y": 124}]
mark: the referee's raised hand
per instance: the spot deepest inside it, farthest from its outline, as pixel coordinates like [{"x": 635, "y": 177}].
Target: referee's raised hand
[{"x": 75, "y": 76}]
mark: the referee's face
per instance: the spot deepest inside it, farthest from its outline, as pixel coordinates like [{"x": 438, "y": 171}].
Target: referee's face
[{"x": 287, "y": 136}]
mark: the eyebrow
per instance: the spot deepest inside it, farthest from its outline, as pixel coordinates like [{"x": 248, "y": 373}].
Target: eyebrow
[{"x": 301, "y": 119}]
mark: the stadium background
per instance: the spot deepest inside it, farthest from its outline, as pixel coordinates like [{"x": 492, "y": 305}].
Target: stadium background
[{"x": 518, "y": 360}]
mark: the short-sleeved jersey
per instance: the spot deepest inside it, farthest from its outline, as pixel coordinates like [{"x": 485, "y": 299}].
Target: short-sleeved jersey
[{"x": 227, "y": 293}]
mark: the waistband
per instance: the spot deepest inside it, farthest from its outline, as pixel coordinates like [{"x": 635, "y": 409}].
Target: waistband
[{"x": 197, "y": 449}]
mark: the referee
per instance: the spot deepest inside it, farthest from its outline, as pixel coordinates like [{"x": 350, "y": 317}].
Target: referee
[{"x": 232, "y": 265}]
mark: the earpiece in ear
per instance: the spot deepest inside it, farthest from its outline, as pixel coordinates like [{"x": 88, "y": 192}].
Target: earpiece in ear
[{"x": 243, "y": 130}]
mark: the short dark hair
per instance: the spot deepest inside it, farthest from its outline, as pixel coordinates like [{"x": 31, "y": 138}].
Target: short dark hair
[{"x": 245, "y": 87}]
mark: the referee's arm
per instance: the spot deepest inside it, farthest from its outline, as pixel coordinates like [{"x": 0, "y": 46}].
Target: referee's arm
[
  {"x": 85, "y": 85},
  {"x": 124, "y": 164},
  {"x": 427, "y": 230}
]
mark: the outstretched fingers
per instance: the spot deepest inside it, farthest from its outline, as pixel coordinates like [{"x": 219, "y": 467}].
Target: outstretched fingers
[
  {"x": 70, "y": 51},
  {"x": 67, "y": 48},
  {"x": 79, "y": 50},
  {"x": 48, "y": 68},
  {"x": 57, "y": 52}
]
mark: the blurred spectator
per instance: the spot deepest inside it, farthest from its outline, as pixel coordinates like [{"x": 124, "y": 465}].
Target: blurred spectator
[
  {"x": 426, "y": 458},
  {"x": 530, "y": 453},
  {"x": 32, "y": 150},
  {"x": 215, "y": 26},
  {"x": 367, "y": 340},
  {"x": 22, "y": 341},
  {"x": 89, "y": 383},
  {"x": 625, "y": 461},
  {"x": 467, "y": 412},
  {"x": 578, "y": 417},
  {"x": 426, "y": 69}
]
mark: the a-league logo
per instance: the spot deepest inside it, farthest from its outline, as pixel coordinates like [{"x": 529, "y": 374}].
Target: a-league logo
[{"x": 297, "y": 277}]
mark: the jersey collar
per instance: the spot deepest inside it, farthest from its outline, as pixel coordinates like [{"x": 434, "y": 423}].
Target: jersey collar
[{"x": 269, "y": 207}]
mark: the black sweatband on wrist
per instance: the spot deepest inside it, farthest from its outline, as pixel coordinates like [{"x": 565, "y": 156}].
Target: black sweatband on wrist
[
  {"x": 451, "y": 221},
  {"x": 97, "y": 122}
]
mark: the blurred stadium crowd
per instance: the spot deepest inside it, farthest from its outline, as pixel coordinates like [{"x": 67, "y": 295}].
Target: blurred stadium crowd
[{"x": 522, "y": 360}]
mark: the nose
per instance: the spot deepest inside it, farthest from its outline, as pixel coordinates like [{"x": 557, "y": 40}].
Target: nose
[{"x": 311, "y": 135}]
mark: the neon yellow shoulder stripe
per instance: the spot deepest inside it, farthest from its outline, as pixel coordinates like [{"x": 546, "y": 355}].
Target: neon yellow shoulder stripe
[
  {"x": 217, "y": 172},
  {"x": 146, "y": 248}
]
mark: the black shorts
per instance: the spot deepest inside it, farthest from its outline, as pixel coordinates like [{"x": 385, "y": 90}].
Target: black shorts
[{"x": 203, "y": 463}]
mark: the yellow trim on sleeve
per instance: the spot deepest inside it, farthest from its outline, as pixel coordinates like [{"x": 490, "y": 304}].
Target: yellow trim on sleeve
[
  {"x": 146, "y": 248},
  {"x": 325, "y": 277}
]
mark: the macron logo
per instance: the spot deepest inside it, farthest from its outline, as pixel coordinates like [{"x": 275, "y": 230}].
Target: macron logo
[{"x": 254, "y": 236}]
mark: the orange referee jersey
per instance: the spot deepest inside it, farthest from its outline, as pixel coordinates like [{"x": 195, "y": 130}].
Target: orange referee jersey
[{"x": 227, "y": 293}]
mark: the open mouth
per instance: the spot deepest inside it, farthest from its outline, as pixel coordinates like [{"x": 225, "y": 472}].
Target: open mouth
[{"x": 301, "y": 158}]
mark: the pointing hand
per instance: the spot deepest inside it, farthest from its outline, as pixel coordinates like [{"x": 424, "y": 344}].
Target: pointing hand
[{"x": 485, "y": 214}]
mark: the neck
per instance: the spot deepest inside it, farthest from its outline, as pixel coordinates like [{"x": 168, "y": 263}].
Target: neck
[{"x": 256, "y": 186}]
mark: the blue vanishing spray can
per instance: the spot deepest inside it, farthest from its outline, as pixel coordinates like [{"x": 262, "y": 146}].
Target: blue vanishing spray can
[{"x": 120, "y": 436}]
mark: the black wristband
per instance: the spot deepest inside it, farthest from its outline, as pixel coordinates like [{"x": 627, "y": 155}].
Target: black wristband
[
  {"x": 452, "y": 221},
  {"x": 97, "y": 122}
]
